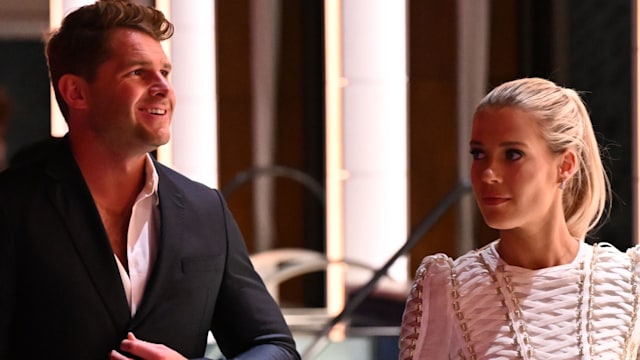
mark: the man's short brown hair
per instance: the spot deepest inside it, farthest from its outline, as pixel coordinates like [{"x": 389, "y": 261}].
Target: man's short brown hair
[{"x": 81, "y": 43}]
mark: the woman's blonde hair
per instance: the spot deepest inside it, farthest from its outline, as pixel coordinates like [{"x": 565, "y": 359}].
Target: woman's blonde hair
[{"x": 565, "y": 124}]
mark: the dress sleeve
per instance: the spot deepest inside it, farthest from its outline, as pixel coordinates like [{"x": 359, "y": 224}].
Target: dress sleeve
[{"x": 426, "y": 329}]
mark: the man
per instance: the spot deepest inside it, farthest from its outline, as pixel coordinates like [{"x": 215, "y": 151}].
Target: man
[
  {"x": 4, "y": 119},
  {"x": 105, "y": 253}
]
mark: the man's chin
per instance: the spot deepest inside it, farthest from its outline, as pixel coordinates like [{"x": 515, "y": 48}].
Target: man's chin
[
  {"x": 163, "y": 141},
  {"x": 158, "y": 138},
  {"x": 160, "y": 145}
]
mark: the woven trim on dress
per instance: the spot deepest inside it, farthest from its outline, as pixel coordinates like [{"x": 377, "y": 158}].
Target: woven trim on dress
[
  {"x": 412, "y": 317},
  {"x": 631, "y": 342}
]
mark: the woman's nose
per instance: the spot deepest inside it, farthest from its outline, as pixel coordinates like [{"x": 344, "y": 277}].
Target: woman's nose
[{"x": 489, "y": 175}]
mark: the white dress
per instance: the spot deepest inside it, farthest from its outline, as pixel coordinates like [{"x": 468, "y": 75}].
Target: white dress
[{"x": 479, "y": 307}]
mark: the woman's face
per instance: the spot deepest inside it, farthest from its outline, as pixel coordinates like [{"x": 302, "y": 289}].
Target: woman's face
[{"x": 514, "y": 175}]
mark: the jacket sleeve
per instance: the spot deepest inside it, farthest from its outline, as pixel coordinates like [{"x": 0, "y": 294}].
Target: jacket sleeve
[
  {"x": 247, "y": 322},
  {"x": 7, "y": 281}
]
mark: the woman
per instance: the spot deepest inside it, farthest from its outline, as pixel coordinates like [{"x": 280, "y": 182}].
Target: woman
[{"x": 539, "y": 291}]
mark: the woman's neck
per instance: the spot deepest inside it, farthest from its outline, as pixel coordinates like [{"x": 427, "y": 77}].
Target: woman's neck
[{"x": 534, "y": 252}]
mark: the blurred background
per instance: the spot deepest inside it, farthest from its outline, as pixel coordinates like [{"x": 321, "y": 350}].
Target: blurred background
[{"x": 338, "y": 130}]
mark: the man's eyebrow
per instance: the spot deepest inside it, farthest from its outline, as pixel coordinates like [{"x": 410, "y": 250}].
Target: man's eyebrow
[{"x": 133, "y": 63}]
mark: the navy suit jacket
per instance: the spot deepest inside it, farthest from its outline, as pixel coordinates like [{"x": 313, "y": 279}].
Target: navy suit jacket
[{"x": 61, "y": 295}]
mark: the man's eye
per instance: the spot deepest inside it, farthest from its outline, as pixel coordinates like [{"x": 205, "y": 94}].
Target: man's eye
[
  {"x": 513, "y": 155},
  {"x": 136, "y": 72},
  {"x": 477, "y": 154}
]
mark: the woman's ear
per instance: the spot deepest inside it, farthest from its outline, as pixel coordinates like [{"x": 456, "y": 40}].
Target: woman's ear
[
  {"x": 73, "y": 89},
  {"x": 568, "y": 165}
]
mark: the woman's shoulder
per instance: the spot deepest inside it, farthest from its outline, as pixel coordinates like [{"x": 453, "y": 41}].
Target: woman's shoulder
[
  {"x": 633, "y": 252},
  {"x": 430, "y": 302},
  {"x": 609, "y": 258},
  {"x": 435, "y": 264},
  {"x": 607, "y": 250},
  {"x": 441, "y": 266}
]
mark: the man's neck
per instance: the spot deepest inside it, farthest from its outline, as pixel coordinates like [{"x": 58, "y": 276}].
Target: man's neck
[{"x": 115, "y": 180}]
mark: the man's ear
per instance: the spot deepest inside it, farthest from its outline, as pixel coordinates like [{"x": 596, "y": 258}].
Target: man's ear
[{"x": 73, "y": 89}]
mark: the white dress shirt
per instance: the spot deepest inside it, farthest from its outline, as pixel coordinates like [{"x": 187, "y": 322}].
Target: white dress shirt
[{"x": 142, "y": 239}]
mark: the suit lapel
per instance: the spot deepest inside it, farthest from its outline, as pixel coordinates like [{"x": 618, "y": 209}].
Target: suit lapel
[
  {"x": 71, "y": 197},
  {"x": 171, "y": 234}
]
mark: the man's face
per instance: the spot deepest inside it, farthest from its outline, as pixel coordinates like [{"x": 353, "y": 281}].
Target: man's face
[{"x": 131, "y": 100}]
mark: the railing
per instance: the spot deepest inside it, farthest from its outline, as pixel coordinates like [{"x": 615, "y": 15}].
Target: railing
[
  {"x": 279, "y": 265},
  {"x": 352, "y": 304}
]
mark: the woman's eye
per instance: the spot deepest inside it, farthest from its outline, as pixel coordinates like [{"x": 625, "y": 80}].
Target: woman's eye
[
  {"x": 477, "y": 154},
  {"x": 513, "y": 155}
]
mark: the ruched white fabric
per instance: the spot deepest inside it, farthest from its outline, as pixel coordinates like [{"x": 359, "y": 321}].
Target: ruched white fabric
[{"x": 479, "y": 307}]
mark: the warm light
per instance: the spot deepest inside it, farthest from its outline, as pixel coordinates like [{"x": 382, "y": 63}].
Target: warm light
[
  {"x": 375, "y": 136},
  {"x": 165, "y": 153},
  {"x": 334, "y": 163},
  {"x": 58, "y": 125}
]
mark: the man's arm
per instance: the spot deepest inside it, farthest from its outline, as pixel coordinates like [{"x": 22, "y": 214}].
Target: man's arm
[
  {"x": 149, "y": 351},
  {"x": 247, "y": 322},
  {"x": 7, "y": 281}
]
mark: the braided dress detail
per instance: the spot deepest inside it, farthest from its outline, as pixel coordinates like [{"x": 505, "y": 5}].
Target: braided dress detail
[{"x": 478, "y": 307}]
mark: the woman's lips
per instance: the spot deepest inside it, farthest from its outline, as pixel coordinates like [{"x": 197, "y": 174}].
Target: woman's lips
[{"x": 494, "y": 200}]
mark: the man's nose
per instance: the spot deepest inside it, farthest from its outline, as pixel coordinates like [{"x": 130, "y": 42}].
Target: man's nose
[{"x": 160, "y": 86}]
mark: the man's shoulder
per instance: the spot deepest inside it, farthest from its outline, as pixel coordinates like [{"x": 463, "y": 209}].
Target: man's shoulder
[
  {"x": 36, "y": 152},
  {"x": 183, "y": 183},
  {"x": 38, "y": 165}
]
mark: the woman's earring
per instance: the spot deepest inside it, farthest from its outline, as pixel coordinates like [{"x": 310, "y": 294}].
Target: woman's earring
[{"x": 562, "y": 184}]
